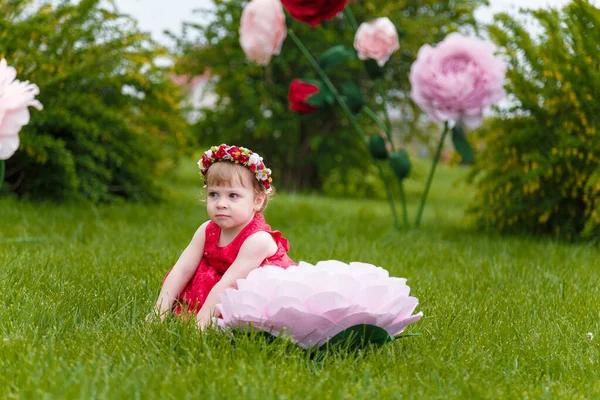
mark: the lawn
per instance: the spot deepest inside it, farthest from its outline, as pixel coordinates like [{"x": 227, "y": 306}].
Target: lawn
[{"x": 505, "y": 317}]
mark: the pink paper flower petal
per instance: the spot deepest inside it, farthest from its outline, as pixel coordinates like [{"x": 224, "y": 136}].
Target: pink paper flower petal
[
  {"x": 8, "y": 146},
  {"x": 377, "y": 40},
  {"x": 320, "y": 303},
  {"x": 262, "y": 30},
  {"x": 15, "y": 99},
  {"x": 284, "y": 302},
  {"x": 304, "y": 328},
  {"x": 398, "y": 327}
]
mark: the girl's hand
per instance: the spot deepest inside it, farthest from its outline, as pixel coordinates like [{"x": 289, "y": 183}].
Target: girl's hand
[
  {"x": 158, "y": 313},
  {"x": 203, "y": 321},
  {"x": 180, "y": 274}
]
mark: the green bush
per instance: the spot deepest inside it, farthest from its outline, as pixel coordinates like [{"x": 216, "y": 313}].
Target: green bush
[
  {"x": 539, "y": 170},
  {"x": 111, "y": 122}
]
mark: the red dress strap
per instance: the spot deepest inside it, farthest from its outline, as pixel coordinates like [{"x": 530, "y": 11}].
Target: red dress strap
[{"x": 280, "y": 258}]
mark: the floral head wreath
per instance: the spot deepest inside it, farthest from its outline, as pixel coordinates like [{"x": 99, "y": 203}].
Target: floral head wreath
[{"x": 237, "y": 155}]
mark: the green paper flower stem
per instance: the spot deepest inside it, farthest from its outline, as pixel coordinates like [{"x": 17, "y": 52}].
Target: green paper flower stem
[
  {"x": 389, "y": 196},
  {"x": 376, "y": 119},
  {"x": 385, "y": 110},
  {"x": 381, "y": 125},
  {"x": 351, "y": 18},
  {"x": 388, "y": 127},
  {"x": 347, "y": 112},
  {"x": 2, "y": 167},
  {"x": 329, "y": 84},
  {"x": 378, "y": 86},
  {"x": 404, "y": 208},
  {"x": 436, "y": 158}
]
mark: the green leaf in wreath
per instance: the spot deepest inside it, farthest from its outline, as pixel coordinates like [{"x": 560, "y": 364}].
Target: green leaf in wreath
[
  {"x": 400, "y": 163},
  {"x": 354, "y": 97},
  {"x": 360, "y": 335},
  {"x": 462, "y": 146},
  {"x": 335, "y": 56},
  {"x": 377, "y": 147}
]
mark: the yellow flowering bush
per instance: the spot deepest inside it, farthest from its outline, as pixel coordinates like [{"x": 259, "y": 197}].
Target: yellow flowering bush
[{"x": 539, "y": 167}]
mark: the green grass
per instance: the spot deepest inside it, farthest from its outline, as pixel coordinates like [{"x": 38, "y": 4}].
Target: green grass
[{"x": 504, "y": 317}]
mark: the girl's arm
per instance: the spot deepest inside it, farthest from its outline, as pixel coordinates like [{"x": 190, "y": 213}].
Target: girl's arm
[
  {"x": 253, "y": 252},
  {"x": 181, "y": 272}
]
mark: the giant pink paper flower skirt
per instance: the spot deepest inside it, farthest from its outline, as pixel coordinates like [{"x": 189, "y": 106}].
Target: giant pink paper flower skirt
[{"x": 311, "y": 304}]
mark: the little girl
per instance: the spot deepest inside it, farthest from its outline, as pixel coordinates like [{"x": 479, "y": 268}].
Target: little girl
[{"x": 232, "y": 243}]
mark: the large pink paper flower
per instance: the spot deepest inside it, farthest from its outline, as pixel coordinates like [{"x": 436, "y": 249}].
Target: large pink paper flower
[
  {"x": 457, "y": 79},
  {"x": 262, "y": 30},
  {"x": 15, "y": 97},
  {"x": 311, "y": 304},
  {"x": 376, "y": 39}
]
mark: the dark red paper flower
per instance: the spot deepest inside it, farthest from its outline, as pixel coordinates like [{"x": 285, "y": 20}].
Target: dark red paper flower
[
  {"x": 299, "y": 94},
  {"x": 313, "y": 12}
]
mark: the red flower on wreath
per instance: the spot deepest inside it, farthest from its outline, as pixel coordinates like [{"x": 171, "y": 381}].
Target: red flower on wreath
[
  {"x": 221, "y": 152},
  {"x": 313, "y": 12},
  {"x": 206, "y": 161}
]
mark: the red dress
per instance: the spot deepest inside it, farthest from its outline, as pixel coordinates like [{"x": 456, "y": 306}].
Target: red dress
[{"x": 216, "y": 260}]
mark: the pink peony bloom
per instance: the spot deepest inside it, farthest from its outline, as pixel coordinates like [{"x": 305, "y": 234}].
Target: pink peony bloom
[
  {"x": 311, "y": 304},
  {"x": 15, "y": 97},
  {"x": 457, "y": 79},
  {"x": 262, "y": 30},
  {"x": 376, "y": 39}
]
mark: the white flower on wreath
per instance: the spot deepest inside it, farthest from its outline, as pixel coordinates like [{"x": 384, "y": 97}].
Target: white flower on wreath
[
  {"x": 263, "y": 174},
  {"x": 208, "y": 153},
  {"x": 254, "y": 159}
]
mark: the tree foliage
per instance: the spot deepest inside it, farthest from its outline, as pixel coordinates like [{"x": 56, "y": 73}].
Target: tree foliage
[
  {"x": 539, "y": 170},
  {"x": 252, "y": 104},
  {"x": 111, "y": 122}
]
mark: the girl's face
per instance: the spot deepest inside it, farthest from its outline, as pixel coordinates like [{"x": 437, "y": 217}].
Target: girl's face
[{"x": 232, "y": 206}]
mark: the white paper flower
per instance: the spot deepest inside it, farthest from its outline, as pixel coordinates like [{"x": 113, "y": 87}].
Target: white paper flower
[
  {"x": 312, "y": 304},
  {"x": 15, "y": 98}
]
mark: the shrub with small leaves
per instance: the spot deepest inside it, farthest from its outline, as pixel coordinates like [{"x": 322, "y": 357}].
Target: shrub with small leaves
[
  {"x": 111, "y": 123},
  {"x": 539, "y": 169}
]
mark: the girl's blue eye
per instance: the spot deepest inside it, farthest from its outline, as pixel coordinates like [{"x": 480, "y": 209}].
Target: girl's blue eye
[
  {"x": 234, "y": 195},
  {"x": 212, "y": 194}
]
